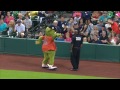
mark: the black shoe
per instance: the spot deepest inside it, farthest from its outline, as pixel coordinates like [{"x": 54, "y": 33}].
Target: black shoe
[{"x": 73, "y": 69}]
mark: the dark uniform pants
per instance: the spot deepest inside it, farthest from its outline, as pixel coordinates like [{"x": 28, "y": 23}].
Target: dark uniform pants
[{"x": 75, "y": 55}]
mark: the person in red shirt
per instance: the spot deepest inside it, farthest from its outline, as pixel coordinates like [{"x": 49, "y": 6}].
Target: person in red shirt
[
  {"x": 114, "y": 26},
  {"x": 8, "y": 18}
]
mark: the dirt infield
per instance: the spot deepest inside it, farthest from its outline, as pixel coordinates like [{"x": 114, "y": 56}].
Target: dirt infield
[{"x": 31, "y": 63}]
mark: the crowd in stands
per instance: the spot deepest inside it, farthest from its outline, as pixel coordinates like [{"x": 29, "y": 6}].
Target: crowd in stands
[{"x": 100, "y": 27}]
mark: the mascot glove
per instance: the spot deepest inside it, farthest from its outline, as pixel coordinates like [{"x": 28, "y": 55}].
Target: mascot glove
[{"x": 37, "y": 42}]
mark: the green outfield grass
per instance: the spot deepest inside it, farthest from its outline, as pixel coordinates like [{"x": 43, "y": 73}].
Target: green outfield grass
[{"x": 13, "y": 74}]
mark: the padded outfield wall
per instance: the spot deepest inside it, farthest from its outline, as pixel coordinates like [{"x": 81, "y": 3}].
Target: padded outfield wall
[{"x": 19, "y": 46}]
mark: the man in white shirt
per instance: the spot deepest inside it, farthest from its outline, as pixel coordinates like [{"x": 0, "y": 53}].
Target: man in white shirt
[{"x": 20, "y": 29}]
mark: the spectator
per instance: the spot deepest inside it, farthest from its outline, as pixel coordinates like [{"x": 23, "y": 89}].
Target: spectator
[
  {"x": 11, "y": 27},
  {"x": 84, "y": 30},
  {"x": 77, "y": 13},
  {"x": 68, "y": 34},
  {"x": 107, "y": 25},
  {"x": 58, "y": 30},
  {"x": 81, "y": 24},
  {"x": 109, "y": 31},
  {"x": 113, "y": 39},
  {"x": 114, "y": 26},
  {"x": 104, "y": 17},
  {"x": 41, "y": 15},
  {"x": 71, "y": 22},
  {"x": 1, "y": 15},
  {"x": 8, "y": 18},
  {"x": 95, "y": 39},
  {"x": 20, "y": 29},
  {"x": 86, "y": 15},
  {"x": 95, "y": 17},
  {"x": 65, "y": 28},
  {"x": 95, "y": 30},
  {"x": 68, "y": 38},
  {"x": 27, "y": 23},
  {"x": 103, "y": 29},
  {"x": 34, "y": 17},
  {"x": 117, "y": 17},
  {"x": 104, "y": 38},
  {"x": 4, "y": 13},
  {"x": 89, "y": 27},
  {"x": 89, "y": 39},
  {"x": 20, "y": 17},
  {"x": 77, "y": 17},
  {"x": 85, "y": 40},
  {"x": 62, "y": 22},
  {"x": 118, "y": 39},
  {"x": 3, "y": 25},
  {"x": 99, "y": 25},
  {"x": 45, "y": 16}
]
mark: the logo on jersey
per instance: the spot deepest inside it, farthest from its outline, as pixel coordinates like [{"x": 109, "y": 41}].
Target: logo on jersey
[
  {"x": 78, "y": 38},
  {"x": 45, "y": 41}
]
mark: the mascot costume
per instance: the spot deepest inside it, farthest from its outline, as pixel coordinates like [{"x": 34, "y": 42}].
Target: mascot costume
[{"x": 48, "y": 47}]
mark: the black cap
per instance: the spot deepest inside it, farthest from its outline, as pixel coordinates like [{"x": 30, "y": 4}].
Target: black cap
[
  {"x": 18, "y": 21},
  {"x": 52, "y": 27}
]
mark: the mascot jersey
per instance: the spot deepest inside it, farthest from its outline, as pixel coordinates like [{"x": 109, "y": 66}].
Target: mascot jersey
[{"x": 48, "y": 44}]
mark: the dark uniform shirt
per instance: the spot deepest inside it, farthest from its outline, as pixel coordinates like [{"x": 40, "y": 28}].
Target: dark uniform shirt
[
  {"x": 61, "y": 24},
  {"x": 77, "y": 40}
]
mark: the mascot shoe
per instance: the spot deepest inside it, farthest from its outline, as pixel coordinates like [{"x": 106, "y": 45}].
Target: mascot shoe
[
  {"x": 44, "y": 66},
  {"x": 51, "y": 67}
]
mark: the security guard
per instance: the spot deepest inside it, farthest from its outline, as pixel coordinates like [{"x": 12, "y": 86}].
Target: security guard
[{"x": 77, "y": 41}]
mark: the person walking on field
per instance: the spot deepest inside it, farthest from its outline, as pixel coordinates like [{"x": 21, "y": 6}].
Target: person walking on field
[{"x": 77, "y": 41}]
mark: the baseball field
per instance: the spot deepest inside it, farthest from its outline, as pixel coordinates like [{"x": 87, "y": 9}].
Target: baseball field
[
  {"x": 29, "y": 67},
  {"x": 16, "y": 74}
]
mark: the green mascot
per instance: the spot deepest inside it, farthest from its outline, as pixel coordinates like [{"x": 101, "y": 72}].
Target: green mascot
[{"x": 48, "y": 47}]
